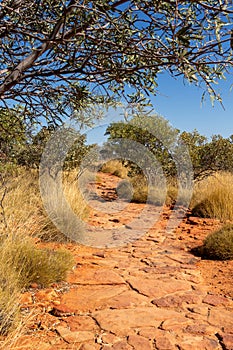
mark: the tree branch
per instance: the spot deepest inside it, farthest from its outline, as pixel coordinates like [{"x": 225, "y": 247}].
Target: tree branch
[{"x": 14, "y": 77}]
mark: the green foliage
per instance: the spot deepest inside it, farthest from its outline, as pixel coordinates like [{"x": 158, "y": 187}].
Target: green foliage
[
  {"x": 217, "y": 155},
  {"x": 30, "y": 155},
  {"x": 154, "y": 132},
  {"x": 208, "y": 156},
  {"x": 196, "y": 144},
  {"x": 164, "y": 146},
  {"x": 20, "y": 145},
  {"x": 51, "y": 60},
  {"x": 218, "y": 245},
  {"x": 12, "y": 135},
  {"x": 167, "y": 145}
]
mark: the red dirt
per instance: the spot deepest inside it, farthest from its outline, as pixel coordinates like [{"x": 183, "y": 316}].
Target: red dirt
[{"x": 42, "y": 329}]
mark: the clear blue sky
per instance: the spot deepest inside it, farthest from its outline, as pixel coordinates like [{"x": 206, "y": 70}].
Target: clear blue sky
[{"x": 181, "y": 104}]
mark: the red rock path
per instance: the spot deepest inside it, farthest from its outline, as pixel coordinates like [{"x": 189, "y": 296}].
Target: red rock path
[{"x": 146, "y": 295}]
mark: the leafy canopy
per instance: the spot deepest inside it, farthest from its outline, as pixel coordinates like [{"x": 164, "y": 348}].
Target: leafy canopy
[
  {"x": 154, "y": 132},
  {"x": 59, "y": 56}
]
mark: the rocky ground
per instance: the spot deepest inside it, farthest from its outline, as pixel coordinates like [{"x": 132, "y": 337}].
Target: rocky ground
[{"x": 150, "y": 293}]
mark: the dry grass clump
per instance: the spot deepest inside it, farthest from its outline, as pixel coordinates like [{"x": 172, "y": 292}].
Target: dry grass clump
[
  {"x": 23, "y": 206},
  {"x": 136, "y": 189},
  {"x": 115, "y": 167},
  {"x": 9, "y": 294},
  {"x": 32, "y": 264},
  {"x": 22, "y": 262},
  {"x": 178, "y": 195},
  {"x": 218, "y": 245},
  {"x": 125, "y": 190},
  {"x": 213, "y": 197},
  {"x": 142, "y": 193},
  {"x": 22, "y": 201},
  {"x": 66, "y": 209}
]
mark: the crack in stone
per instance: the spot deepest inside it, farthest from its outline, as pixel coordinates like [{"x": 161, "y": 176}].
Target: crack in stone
[{"x": 135, "y": 289}]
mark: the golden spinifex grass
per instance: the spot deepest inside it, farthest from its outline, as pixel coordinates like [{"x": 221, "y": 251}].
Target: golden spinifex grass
[
  {"x": 22, "y": 262},
  {"x": 23, "y": 207},
  {"x": 9, "y": 294},
  {"x": 213, "y": 197},
  {"x": 115, "y": 167},
  {"x": 32, "y": 264}
]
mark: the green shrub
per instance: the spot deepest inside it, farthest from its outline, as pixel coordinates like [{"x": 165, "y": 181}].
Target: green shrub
[
  {"x": 136, "y": 189},
  {"x": 219, "y": 244},
  {"x": 124, "y": 190}
]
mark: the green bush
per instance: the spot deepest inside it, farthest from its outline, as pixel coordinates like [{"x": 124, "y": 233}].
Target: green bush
[
  {"x": 219, "y": 244},
  {"x": 124, "y": 190}
]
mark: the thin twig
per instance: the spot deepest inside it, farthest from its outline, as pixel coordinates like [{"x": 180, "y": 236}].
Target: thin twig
[{"x": 3, "y": 214}]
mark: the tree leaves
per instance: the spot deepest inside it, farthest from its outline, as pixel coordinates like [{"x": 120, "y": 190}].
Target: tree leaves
[{"x": 47, "y": 46}]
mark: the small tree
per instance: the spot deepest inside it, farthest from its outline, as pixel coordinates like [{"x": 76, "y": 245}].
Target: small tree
[
  {"x": 154, "y": 133},
  {"x": 196, "y": 146},
  {"x": 217, "y": 155}
]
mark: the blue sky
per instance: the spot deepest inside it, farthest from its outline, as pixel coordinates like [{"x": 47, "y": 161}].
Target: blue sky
[{"x": 181, "y": 104}]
